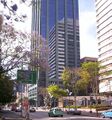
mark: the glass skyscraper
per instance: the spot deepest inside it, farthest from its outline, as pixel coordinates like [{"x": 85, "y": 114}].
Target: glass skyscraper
[
  {"x": 53, "y": 19},
  {"x": 46, "y": 13},
  {"x": 53, "y": 11},
  {"x": 57, "y": 21}
]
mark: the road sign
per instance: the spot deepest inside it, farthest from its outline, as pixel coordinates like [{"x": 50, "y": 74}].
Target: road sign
[{"x": 26, "y": 76}]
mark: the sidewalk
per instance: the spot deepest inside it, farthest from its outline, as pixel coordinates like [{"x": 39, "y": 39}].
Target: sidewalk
[
  {"x": 9, "y": 115},
  {"x": 93, "y": 113}
]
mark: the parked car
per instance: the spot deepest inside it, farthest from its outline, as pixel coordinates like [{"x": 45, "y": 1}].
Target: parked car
[
  {"x": 32, "y": 109},
  {"x": 73, "y": 111},
  {"x": 55, "y": 112},
  {"x": 18, "y": 109},
  {"x": 107, "y": 114},
  {"x": 13, "y": 107}
]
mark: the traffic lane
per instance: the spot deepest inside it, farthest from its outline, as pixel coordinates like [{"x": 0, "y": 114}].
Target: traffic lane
[
  {"x": 38, "y": 115},
  {"x": 71, "y": 118},
  {"x": 43, "y": 115}
]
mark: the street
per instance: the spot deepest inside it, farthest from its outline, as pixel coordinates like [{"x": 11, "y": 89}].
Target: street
[{"x": 43, "y": 115}]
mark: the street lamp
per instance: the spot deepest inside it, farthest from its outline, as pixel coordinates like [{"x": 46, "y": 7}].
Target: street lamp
[
  {"x": 69, "y": 94},
  {"x": 74, "y": 91},
  {"x": 51, "y": 96}
]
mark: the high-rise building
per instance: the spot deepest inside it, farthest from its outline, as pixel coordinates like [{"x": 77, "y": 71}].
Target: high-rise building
[
  {"x": 62, "y": 51},
  {"x": 104, "y": 38},
  {"x": 59, "y": 24},
  {"x": 57, "y": 21}
]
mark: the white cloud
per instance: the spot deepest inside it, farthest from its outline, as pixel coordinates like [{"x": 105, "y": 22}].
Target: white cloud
[{"x": 88, "y": 40}]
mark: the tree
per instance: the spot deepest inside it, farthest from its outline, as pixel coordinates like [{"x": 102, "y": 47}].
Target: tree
[
  {"x": 32, "y": 102},
  {"x": 66, "y": 77},
  {"x": 91, "y": 70},
  {"x": 15, "y": 49},
  {"x": 1, "y": 22},
  {"x": 72, "y": 81},
  {"x": 81, "y": 86},
  {"x": 11, "y": 9},
  {"x": 6, "y": 89},
  {"x": 70, "y": 78},
  {"x": 55, "y": 92}
]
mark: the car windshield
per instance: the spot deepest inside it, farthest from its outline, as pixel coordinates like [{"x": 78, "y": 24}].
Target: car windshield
[
  {"x": 71, "y": 109},
  {"x": 109, "y": 110},
  {"x": 58, "y": 109}
]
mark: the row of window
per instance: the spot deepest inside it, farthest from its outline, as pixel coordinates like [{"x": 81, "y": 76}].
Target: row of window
[
  {"x": 106, "y": 35},
  {"x": 109, "y": 52},
  {"x": 105, "y": 25},
  {"x": 100, "y": 7},
  {"x": 105, "y": 48}
]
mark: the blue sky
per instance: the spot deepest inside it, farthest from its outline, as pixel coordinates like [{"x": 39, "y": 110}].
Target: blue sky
[{"x": 87, "y": 16}]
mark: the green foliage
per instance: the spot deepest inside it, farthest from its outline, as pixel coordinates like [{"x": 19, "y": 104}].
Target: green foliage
[
  {"x": 91, "y": 74},
  {"x": 100, "y": 107},
  {"x": 72, "y": 79},
  {"x": 81, "y": 84},
  {"x": 72, "y": 106},
  {"x": 91, "y": 68},
  {"x": 66, "y": 76},
  {"x": 55, "y": 91},
  {"x": 32, "y": 102},
  {"x": 6, "y": 89}
]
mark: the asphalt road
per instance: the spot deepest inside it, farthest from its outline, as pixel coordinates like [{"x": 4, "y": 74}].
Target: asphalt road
[{"x": 43, "y": 115}]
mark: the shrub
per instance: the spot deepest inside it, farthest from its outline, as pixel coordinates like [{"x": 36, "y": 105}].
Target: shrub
[
  {"x": 100, "y": 107},
  {"x": 72, "y": 106}
]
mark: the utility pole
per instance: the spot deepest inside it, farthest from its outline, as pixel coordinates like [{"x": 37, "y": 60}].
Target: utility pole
[
  {"x": 21, "y": 92},
  {"x": 21, "y": 98}
]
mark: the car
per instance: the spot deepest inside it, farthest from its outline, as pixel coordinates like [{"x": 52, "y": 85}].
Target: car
[
  {"x": 55, "y": 112},
  {"x": 73, "y": 112},
  {"x": 13, "y": 108},
  {"x": 32, "y": 109},
  {"x": 18, "y": 109},
  {"x": 107, "y": 114}
]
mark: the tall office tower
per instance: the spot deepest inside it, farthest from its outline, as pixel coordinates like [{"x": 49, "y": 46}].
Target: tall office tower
[
  {"x": 60, "y": 20},
  {"x": 57, "y": 21},
  {"x": 63, "y": 51},
  {"x": 104, "y": 38}
]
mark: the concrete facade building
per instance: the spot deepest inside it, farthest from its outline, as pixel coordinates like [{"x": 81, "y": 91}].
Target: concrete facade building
[{"x": 104, "y": 38}]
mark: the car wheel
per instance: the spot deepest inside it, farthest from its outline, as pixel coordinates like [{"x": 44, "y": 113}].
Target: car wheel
[
  {"x": 102, "y": 116},
  {"x": 61, "y": 115}
]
